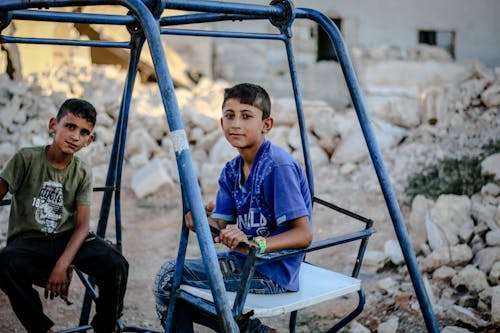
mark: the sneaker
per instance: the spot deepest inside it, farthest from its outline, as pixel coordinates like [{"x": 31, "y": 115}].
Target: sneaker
[{"x": 254, "y": 325}]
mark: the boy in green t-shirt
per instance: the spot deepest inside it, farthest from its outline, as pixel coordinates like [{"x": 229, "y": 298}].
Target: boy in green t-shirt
[{"x": 49, "y": 225}]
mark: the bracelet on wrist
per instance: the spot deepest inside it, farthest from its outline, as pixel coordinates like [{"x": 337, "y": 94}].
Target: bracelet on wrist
[{"x": 261, "y": 242}]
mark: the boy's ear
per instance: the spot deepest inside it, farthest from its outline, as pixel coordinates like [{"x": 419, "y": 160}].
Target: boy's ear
[
  {"x": 90, "y": 139},
  {"x": 52, "y": 125},
  {"x": 268, "y": 124}
]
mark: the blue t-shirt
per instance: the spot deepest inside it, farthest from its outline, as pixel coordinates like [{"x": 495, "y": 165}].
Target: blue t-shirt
[{"x": 275, "y": 192}]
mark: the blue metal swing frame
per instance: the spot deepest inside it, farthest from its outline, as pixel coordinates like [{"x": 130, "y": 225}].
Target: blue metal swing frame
[{"x": 145, "y": 23}]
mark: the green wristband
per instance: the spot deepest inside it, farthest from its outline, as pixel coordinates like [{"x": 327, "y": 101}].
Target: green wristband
[{"x": 262, "y": 242}]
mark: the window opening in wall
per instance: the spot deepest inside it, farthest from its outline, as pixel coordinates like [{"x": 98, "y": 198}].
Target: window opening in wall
[
  {"x": 326, "y": 51},
  {"x": 443, "y": 39}
]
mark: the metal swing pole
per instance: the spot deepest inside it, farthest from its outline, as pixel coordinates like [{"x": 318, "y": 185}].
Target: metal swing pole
[
  {"x": 185, "y": 166},
  {"x": 378, "y": 162}
]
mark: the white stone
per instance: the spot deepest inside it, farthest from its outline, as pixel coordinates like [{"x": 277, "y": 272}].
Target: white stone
[
  {"x": 443, "y": 273},
  {"x": 490, "y": 166},
  {"x": 319, "y": 157},
  {"x": 495, "y": 306},
  {"x": 208, "y": 124},
  {"x": 471, "y": 278},
  {"x": 279, "y": 137},
  {"x": 392, "y": 250},
  {"x": 490, "y": 189},
  {"x": 467, "y": 316},
  {"x": 485, "y": 214},
  {"x": 284, "y": 112},
  {"x": 449, "y": 218},
  {"x": 105, "y": 120},
  {"x": 222, "y": 151},
  {"x": 485, "y": 258},
  {"x": 494, "y": 276},
  {"x": 357, "y": 327},
  {"x": 399, "y": 111},
  {"x": 104, "y": 135},
  {"x": 388, "y": 286},
  {"x": 209, "y": 176},
  {"x": 420, "y": 208},
  {"x": 457, "y": 255},
  {"x": 374, "y": 259},
  {"x": 353, "y": 147},
  {"x": 150, "y": 178},
  {"x": 390, "y": 326},
  {"x": 140, "y": 141},
  {"x": 493, "y": 238},
  {"x": 491, "y": 96}
]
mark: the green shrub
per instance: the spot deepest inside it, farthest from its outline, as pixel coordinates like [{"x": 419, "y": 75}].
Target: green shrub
[{"x": 461, "y": 176}]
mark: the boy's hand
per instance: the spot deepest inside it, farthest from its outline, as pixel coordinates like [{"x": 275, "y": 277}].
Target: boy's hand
[
  {"x": 209, "y": 207},
  {"x": 57, "y": 285},
  {"x": 231, "y": 236}
]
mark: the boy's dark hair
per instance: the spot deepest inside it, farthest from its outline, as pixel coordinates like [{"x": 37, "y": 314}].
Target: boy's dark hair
[
  {"x": 251, "y": 94},
  {"x": 78, "y": 107}
]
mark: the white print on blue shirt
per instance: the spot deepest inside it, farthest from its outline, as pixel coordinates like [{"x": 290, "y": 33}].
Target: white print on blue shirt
[{"x": 248, "y": 221}]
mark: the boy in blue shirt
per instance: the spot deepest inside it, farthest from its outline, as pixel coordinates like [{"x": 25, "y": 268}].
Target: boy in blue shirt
[{"x": 263, "y": 200}]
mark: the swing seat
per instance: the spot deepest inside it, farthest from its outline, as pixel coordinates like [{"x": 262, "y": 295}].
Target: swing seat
[{"x": 316, "y": 285}]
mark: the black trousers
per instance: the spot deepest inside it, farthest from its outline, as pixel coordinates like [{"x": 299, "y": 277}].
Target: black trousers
[{"x": 28, "y": 261}]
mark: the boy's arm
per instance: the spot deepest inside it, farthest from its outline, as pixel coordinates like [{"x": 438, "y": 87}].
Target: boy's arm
[
  {"x": 299, "y": 236},
  {"x": 56, "y": 285}
]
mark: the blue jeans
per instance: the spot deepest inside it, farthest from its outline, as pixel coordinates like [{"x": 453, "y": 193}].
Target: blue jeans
[{"x": 195, "y": 274}]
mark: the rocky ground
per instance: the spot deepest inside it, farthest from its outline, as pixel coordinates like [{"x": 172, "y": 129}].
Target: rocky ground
[{"x": 459, "y": 261}]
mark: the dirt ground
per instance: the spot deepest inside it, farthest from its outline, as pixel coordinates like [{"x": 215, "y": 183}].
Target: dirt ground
[{"x": 151, "y": 235}]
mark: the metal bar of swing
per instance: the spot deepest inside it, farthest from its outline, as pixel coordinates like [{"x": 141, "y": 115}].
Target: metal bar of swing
[
  {"x": 115, "y": 164},
  {"x": 184, "y": 162},
  {"x": 378, "y": 162}
]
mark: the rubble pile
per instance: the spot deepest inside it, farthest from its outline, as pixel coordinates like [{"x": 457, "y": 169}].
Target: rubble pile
[{"x": 457, "y": 238}]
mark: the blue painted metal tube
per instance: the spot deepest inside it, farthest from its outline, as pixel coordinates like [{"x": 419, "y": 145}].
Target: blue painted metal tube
[
  {"x": 300, "y": 114},
  {"x": 8, "y": 5},
  {"x": 378, "y": 162},
  {"x": 184, "y": 162},
  {"x": 71, "y": 17},
  {"x": 204, "y": 18},
  {"x": 137, "y": 42},
  {"x": 71, "y": 42},
  {"x": 179, "y": 265},
  {"x": 115, "y": 162},
  {"x": 204, "y": 33},
  {"x": 225, "y": 7},
  {"x": 344, "y": 321}
]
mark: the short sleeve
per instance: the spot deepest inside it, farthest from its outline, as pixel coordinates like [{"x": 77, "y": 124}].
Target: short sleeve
[{"x": 13, "y": 173}]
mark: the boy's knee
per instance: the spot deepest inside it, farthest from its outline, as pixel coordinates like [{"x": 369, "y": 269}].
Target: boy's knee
[
  {"x": 164, "y": 277},
  {"x": 119, "y": 264}
]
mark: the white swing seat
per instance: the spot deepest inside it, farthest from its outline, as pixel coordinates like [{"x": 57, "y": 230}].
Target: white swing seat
[{"x": 316, "y": 285}]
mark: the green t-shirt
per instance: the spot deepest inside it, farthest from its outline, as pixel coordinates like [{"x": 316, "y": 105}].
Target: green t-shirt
[{"x": 44, "y": 198}]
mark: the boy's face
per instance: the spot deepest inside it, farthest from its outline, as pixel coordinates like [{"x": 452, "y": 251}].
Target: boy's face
[
  {"x": 71, "y": 133},
  {"x": 243, "y": 124}
]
